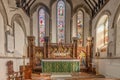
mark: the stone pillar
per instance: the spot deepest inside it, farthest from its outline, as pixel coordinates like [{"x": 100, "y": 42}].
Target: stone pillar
[
  {"x": 75, "y": 47},
  {"x": 89, "y": 53},
  {"x": 31, "y": 50},
  {"x": 46, "y": 47}
]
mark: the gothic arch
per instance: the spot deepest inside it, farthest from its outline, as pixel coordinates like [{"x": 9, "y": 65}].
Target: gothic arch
[
  {"x": 81, "y": 7},
  {"x": 53, "y": 1},
  {"x": 19, "y": 33},
  {"x": 35, "y": 7},
  {"x": 69, "y": 1},
  {"x": 5, "y": 21},
  {"x": 18, "y": 18},
  {"x": 68, "y": 20},
  {"x": 116, "y": 17},
  {"x": 105, "y": 12},
  {"x": 4, "y": 13},
  {"x": 115, "y": 26},
  {"x": 103, "y": 15}
]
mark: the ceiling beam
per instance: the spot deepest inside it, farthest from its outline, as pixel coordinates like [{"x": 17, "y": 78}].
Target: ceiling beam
[
  {"x": 94, "y": 1},
  {"x": 89, "y": 5},
  {"x": 27, "y": 4}
]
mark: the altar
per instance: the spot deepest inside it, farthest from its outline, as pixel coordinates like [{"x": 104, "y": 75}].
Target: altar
[
  {"x": 53, "y": 57},
  {"x": 60, "y": 65}
]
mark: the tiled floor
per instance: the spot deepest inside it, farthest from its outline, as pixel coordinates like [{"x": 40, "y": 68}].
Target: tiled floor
[{"x": 69, "y": 76}]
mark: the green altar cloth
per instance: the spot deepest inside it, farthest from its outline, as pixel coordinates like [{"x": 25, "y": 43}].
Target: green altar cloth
[{"x": 60, "y": 65}]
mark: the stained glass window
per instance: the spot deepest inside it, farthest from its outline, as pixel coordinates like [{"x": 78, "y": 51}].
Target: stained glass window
[
  {"x": 102, "y": 33},
  {"x": 80, "y": 25},
  {"x": 61, "y": 22},
  {"x": 100, "y": 38},
  {"x": 41, "y": 27},
  {"x": 106, "y": 31}
]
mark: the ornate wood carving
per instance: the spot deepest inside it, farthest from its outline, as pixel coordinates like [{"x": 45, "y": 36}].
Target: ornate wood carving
[
  {"x": 75, "y": 47},
  {"x": 89, "y": 53},
  {"x": 46, "y": 47},
  {"x": 39, "y": 54},
  {"x": 49, "y": 50},
  {"x": 12, "y": 75},
  {"x": 31, "y": 49},
  {"x": 60, "y": 50},
  {"x": 27, "y": 71},
  {"x": 10, "y": 67}
]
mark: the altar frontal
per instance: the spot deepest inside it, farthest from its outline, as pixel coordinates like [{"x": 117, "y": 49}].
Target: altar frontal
[{"x": 60, "y": 65}]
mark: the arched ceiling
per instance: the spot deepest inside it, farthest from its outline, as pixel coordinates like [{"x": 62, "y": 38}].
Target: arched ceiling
[
  {"x": 93, "y": 6},
  {"x": 73, "y": 3},
  {"x": 48, "y": 3}
]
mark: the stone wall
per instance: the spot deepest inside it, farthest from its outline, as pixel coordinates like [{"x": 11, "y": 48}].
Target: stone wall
[
  {"x": 16, "y": 63},
  {"x": 109, "y": 67},
  {"x": 9, "y": 14}
]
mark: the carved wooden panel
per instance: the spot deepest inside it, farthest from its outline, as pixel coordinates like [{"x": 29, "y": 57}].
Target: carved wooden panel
[
  {"x": 60, "y": 50},
  {"x": 39, "y": 53},
  {"x": 10, "y": 67},
  {"x": 11, "y": 74}
]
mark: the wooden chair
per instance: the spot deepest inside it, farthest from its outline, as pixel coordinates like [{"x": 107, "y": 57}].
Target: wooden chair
[
  {"x": 12, "y": 75},
  {"x": 27, "y": 71}
]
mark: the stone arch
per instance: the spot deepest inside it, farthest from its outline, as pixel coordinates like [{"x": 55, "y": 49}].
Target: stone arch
[
  {"x": 69, "y": 1},
  {"x": 19, "y": 33},
  {"x": 82, "y": 7},
  {"x": 116, "y": 17},
  {"x": 35, "y": 7},
  {"x": 34, "y": 18},
  {"x": 4, "y": 13},
  {"x": 2, "y": 35},
  {"x": 105, "y": 12},
  {"x": 4, "y": 16},
  {"x": 86, "y": 18},
  {"x": 18, "y": 18},
  {"x": 116, "y": 33},
  {"x": 68, "y": 20}
]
